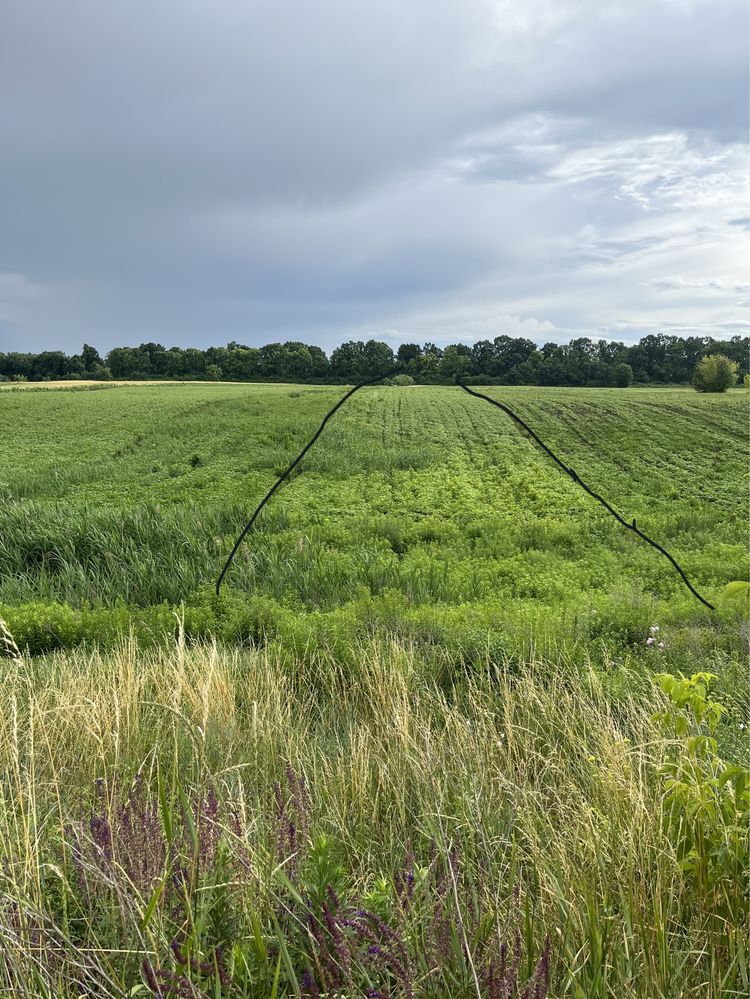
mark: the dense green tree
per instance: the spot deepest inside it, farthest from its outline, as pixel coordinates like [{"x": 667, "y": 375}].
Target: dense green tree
[
  {"x": 16, "y": 366},
  {"x": 482, "y": 357},
  {"x": 50, "y": 364},
  {"x": 715, "y": 373},
  {"x": 683, "y": 355},
  {"x": 507, "y": 352},
  {"x": 75, "y": 367},
  {"x": 455, "y": 362},
  {"x": 194, "y": 363},
  {"x": 217, "y": 356},
  {"x": 91, "y": 358},
  {"x": 649, "y": 358},
  {"x": 623, "y": 375},
  {"x": 347, "y": 361},
  {"x": 127, "y": 362},
  {"x": 242, "y": 364},
  {"x": 270, "y": 359},
  {"x": 294, "y": 362},
  {"x": 582, "y": 355},
  {"x": 428, "y": 370},
  {"x": 356, "y": 361},
  {"x": 319, "y": 362},
  {"x": 522, "y": 374},
  {"x": 160, "y": 363},
  {"x": 408, "y": 353},
  {"x": 378, "y": 358},
  {"x": 609, "y": 352},
  {"x": 736, "y": 349},
  {"x": 552, "y": 369}
]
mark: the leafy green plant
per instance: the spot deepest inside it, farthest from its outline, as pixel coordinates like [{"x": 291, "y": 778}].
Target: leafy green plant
[
  {"x": 739, "y": 591},
  {"x": 707, "y": 801}
]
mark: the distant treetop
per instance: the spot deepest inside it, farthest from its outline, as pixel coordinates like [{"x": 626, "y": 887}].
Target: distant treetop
[{"x": 505, "y": 360}]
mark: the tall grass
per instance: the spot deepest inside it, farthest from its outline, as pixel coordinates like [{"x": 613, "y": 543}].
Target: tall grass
[{"x": 206, "y": 821}]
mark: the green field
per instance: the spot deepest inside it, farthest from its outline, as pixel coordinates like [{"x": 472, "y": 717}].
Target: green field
[
  {"x": 437, "y": 628},
  {"x": 421, "y": 511}
]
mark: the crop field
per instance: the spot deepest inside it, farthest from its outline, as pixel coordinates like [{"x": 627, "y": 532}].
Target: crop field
[
  {"x": 426, "y": 742},
  {"x": 422, "y": 512}
]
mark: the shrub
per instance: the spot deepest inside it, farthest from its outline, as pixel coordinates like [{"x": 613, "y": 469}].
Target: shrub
[
  {"x": 715, "y": 373},
  {"x": 707, "y": 800},
  {"x": 403, "y": 380},
  {"x": 623, "y": 375},
  {"x": 738, "y": 590}
]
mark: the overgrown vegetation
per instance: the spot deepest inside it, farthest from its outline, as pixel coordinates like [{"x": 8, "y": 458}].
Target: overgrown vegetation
[
  {"x": 198, "y": 821},
  {"x": 447, "y": 732}
]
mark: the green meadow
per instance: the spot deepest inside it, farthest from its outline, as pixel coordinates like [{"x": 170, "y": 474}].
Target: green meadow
[
  {"x": 437, "y": 736},
  {"x": 421, "y": 512}
]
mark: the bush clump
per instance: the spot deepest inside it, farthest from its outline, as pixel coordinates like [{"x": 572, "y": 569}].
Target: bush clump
[
  {"x": 623, "y": 375},
  {"x": 715, "y": 373}
]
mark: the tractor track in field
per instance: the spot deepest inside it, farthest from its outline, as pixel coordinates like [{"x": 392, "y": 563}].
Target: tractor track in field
[{"x": 699, "y": 420}]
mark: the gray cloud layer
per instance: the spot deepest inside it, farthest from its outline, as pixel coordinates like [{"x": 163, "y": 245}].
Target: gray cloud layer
[{"x": 195, "y": 173}]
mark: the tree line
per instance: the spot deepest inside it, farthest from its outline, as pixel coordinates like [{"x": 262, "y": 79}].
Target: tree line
[{"x": 505, "y": 360}]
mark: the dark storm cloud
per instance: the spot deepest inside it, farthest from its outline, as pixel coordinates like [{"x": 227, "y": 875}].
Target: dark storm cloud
[{"x": 195, "y": 173}]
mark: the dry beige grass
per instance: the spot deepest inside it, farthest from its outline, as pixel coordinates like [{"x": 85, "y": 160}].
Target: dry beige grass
[
  {"x": 86, "y": 383},
  {"x": 550, "y": 790}
]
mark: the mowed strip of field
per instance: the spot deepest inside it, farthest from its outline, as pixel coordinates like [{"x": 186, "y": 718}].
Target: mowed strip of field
[{"x": 421, "y": 511}]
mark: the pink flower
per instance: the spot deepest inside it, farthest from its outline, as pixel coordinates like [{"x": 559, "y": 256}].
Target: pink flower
[{"x": 649, "y": 641}]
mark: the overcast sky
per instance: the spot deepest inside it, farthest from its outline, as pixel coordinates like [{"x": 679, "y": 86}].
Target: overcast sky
[{"x": 199, "y": 171}]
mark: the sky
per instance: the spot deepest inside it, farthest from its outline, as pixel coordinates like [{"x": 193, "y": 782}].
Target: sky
[{"x": 196, "y": 172}]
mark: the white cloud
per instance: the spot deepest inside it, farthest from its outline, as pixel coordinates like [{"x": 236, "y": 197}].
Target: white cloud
[
  {"x": 662, "y": 172},
  {"x": 464, "y": 327}
]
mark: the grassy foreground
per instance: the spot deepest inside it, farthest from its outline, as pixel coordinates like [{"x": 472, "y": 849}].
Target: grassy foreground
[{"x": 196, "y": 821}]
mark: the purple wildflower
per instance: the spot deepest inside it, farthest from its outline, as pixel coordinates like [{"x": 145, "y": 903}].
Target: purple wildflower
[{"x": 309, "y": 987}]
